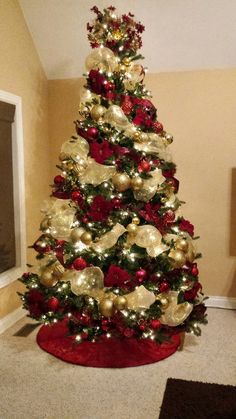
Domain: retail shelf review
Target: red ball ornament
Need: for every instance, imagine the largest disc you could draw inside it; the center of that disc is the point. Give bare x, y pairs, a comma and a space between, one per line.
128, 332
53, 304
164, 286
155, 324
76, 196
194, 270
59, 180
92, 133
141, 275
157, 127
79, 264
85, 219
144, 166
109, 86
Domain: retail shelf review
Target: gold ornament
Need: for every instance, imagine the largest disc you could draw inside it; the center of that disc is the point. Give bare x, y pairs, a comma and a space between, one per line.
47, 279
120, 302
121, 181
164, 302
106, 307
126, 61
137, 136
69, 166
86, 238
76, 233
136, 183
97, 111
178, 258
182, 244
132, 229
136, 220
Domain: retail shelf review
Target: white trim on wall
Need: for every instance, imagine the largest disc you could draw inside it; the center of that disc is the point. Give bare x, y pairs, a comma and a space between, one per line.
221, 302
18, 190
11, 319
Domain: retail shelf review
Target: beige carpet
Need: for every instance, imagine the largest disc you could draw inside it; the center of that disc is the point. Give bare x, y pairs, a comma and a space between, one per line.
35, 385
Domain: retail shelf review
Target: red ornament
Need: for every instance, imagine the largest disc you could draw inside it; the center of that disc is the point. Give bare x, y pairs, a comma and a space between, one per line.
194, 270
53, 304
76, 196
144, 166
92, 133
79, 264
108, 86
142, 325
105, 325
164, 286
155, 324
141, 275
128, 332
59, 180
157, 127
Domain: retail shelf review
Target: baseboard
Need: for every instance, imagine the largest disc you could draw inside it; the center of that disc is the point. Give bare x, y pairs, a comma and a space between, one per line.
221, 302
11, 319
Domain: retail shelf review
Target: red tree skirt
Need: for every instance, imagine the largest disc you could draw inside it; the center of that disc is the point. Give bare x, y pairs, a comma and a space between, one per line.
107, 353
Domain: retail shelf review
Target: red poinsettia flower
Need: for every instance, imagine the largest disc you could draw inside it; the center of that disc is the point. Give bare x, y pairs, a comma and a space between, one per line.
101, 151
96, 81
149, 213
185, 225
191, 294
35, 302
100, 208
116, 277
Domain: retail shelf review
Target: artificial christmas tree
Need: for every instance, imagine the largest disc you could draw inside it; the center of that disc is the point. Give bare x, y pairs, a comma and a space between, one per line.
117, 264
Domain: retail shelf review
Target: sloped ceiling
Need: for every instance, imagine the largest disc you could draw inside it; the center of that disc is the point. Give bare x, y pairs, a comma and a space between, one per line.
180, 34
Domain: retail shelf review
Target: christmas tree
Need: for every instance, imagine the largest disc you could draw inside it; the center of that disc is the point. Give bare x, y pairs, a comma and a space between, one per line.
116, 258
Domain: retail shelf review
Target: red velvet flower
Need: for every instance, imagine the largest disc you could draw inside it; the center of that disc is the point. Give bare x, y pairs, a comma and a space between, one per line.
126, 104
35, 300
191, 294
101, 151
116, 277
100, 208
96, 81
185, 225
149, 213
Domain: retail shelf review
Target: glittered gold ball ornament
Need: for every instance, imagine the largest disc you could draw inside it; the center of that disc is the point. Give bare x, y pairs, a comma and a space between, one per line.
75, 234
121, 181
86, 237
182, 245
106, 307
117, 35
132, 228
178, 258
136, 183
126, 61
137, 136
97, 112
120, 302
48, 279
136, 220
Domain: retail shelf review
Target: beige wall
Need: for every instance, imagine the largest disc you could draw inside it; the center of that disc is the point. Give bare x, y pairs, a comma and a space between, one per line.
198, 108
21, 74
